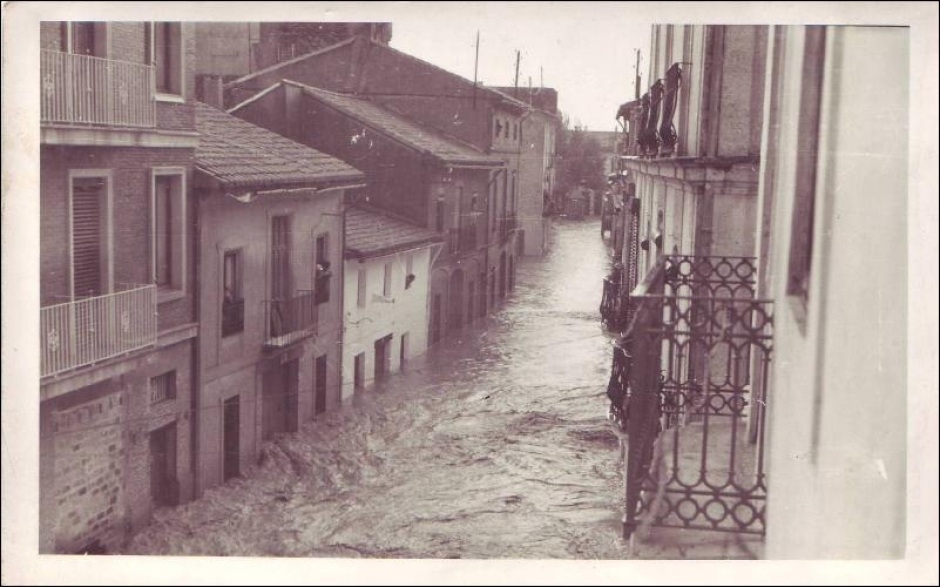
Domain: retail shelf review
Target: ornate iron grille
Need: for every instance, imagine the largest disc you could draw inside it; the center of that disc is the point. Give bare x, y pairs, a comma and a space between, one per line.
696, 353
616, 306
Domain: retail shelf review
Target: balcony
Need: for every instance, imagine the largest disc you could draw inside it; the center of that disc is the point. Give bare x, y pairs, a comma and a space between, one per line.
290, 320
90, 330
86, 90
611, 302
688, 387
462, 239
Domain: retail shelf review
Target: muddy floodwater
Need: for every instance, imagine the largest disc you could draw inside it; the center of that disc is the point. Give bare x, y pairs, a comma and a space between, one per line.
495, 444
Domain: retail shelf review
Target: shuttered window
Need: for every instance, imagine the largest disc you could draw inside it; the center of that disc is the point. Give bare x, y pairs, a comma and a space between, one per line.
361, 300
87, 235
409, 270
168, 236
164, 43
387, 280
280, 257
163, 210
323, 273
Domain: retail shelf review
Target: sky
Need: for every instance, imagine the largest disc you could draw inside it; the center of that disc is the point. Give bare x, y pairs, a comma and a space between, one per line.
585, 51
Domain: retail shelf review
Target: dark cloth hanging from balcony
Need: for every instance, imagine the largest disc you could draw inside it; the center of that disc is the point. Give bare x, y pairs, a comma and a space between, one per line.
652, 134
667, 131
642, 135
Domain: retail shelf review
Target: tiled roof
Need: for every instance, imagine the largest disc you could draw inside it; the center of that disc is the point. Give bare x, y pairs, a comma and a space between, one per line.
371, 234
447, 149
240, 154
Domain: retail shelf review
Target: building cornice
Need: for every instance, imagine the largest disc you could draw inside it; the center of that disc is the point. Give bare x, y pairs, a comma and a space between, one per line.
117, 137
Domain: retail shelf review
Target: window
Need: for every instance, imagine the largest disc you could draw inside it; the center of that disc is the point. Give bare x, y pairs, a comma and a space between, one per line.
497, 128
801, 235
163, 387
439, 216
359, 371
168, 234
91, 232
361, 300
164, 48
387, 280
409, 270
233, 305
323, 274
280, 258
403, 351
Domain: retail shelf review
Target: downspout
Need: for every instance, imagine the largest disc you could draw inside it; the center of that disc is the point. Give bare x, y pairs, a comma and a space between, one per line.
195, 391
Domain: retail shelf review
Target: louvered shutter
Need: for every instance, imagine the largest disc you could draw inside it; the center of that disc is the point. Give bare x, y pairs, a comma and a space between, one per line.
87, 194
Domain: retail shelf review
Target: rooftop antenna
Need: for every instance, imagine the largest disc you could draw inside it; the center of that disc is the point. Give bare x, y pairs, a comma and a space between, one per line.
476, 62
636, 81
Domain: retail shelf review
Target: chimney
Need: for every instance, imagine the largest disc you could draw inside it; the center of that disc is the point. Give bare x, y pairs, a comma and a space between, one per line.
209, 90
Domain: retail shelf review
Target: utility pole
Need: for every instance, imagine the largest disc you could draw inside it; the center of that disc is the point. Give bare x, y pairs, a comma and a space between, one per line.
636, 81
476, 63
515, 87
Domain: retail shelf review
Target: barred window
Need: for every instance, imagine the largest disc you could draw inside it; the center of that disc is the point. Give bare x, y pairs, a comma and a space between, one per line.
163, 387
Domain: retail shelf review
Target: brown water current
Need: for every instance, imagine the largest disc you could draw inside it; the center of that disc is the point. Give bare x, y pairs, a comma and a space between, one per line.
494, 445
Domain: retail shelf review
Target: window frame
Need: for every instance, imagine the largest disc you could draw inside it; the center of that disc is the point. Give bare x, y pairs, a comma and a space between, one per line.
323, 281
806, 173
387, 279
362, 288
107, 261
172, 388
409, 269
177, 59
238, 254
179, 242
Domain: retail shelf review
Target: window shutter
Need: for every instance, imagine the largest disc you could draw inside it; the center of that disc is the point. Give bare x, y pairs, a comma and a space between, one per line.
86, 235
362, 288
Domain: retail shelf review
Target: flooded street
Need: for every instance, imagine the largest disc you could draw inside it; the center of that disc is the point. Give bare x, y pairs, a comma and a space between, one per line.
495, 444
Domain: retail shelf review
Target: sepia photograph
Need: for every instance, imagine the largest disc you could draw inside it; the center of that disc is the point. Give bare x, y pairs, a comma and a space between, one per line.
519, 283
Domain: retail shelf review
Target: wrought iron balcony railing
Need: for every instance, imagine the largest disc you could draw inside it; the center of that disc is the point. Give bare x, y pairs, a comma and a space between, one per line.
688, 386
289, 320
86, 90
90, 330
610, 304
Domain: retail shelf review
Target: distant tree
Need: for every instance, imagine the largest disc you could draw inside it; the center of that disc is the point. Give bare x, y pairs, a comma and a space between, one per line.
579, 158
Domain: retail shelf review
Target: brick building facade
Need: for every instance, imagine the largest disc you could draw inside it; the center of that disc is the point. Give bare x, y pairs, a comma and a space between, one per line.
118, 316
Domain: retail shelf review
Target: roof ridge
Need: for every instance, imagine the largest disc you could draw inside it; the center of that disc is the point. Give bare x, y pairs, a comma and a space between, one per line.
297, 59
370, 209
432, 65
432, 131
239, 153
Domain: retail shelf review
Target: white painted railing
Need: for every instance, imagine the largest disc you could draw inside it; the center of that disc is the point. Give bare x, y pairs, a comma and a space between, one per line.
93, 329
82, 89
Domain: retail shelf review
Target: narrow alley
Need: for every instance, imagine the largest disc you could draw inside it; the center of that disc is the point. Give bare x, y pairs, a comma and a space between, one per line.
496, 444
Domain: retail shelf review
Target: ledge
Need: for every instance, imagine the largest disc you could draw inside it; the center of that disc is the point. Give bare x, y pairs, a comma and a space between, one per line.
84, 136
